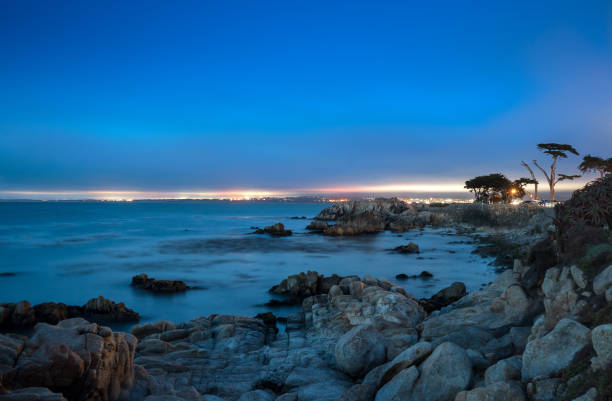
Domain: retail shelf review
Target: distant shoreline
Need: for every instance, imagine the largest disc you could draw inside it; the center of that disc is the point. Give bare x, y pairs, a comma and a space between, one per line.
322, 198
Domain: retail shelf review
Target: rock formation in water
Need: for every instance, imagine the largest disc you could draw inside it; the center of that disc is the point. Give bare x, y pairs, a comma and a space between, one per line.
275, 230
373, 216
408, 249
22, 315
160, 286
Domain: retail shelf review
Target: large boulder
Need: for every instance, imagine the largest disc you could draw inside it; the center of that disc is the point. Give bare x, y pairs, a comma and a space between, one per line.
560, 297
553, 352
500, 305
444, 297
146, 329
603, 281
359, 350
444, 373
499, 391
399, 387
366, 390
82, 360
10, 348
407, 358
505, 370
601, 337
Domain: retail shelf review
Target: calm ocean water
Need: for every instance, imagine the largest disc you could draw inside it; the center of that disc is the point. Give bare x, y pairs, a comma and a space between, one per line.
72, 251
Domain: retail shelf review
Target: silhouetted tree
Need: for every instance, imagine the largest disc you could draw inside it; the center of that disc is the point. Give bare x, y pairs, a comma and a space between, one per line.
556, 150
517, 190
535, 182
593, 163
488, 188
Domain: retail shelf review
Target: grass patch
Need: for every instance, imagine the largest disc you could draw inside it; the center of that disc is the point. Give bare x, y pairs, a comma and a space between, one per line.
579, 377
597, 312
596, 258
501, 249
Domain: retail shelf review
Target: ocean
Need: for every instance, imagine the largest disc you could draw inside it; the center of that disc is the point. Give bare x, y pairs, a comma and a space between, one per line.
73, 251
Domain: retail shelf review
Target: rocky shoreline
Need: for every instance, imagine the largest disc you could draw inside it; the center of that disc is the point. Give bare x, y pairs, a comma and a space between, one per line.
23, 316
541, 330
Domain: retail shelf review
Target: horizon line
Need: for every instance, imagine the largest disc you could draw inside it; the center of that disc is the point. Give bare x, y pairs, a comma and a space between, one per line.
246, 193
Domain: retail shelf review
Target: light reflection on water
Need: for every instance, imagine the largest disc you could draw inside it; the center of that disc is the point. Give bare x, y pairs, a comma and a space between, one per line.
72, 251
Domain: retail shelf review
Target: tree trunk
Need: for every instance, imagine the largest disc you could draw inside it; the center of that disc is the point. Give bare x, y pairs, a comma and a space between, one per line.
553, 178
550, 179
552, 192
533, 177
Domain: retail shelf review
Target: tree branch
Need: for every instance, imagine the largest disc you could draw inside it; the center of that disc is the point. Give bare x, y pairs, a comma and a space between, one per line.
543, 172
528, 168
566, 177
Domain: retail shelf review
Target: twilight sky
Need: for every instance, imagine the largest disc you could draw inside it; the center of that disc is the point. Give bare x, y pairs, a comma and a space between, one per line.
292, 95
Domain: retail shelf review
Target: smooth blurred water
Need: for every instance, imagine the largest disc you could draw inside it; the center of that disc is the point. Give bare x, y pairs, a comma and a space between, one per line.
72, 251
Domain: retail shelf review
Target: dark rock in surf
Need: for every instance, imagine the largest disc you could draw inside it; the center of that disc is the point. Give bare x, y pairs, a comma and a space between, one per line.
276, 230
100, 310
151, 284
368, 222
317, 225
269, 320
278, 303
407, 249
302, 285
444, 297
423, 275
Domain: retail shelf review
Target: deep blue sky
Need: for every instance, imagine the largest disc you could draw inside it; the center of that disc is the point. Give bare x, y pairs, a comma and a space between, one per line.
255, 94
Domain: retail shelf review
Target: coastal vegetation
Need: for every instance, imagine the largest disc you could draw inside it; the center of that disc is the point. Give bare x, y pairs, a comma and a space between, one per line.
596, 164
496, 188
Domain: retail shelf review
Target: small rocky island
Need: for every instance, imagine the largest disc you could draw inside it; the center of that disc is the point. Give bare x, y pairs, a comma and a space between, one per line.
158, 286
541, 331
275, 230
